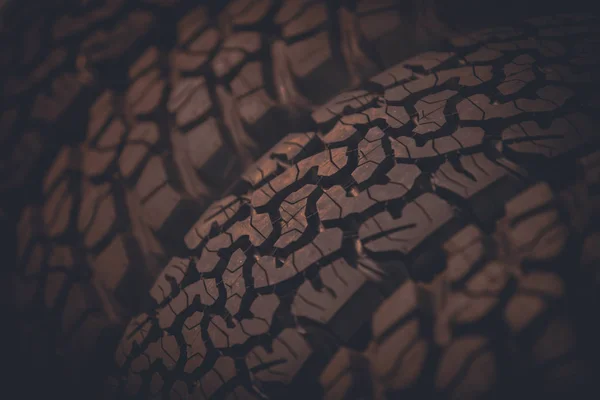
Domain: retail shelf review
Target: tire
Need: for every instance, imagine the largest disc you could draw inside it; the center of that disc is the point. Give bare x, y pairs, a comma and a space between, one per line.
56, 57
435, 237
170, 121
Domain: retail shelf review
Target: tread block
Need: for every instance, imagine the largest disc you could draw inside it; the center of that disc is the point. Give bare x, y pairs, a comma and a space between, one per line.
290, 352
344, 302
267, 273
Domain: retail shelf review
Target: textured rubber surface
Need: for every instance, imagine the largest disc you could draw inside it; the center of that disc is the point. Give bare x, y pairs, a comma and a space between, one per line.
175, 104
54, 63
433, 237
55, 58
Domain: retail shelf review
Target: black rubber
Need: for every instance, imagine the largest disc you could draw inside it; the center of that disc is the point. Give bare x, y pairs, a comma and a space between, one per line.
122, 121
126, 120
435, 237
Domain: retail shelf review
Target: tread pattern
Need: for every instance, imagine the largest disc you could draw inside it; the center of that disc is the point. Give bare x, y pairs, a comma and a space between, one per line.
33, 62
496, 322
56, 57
61, 293
169, 105
330, 247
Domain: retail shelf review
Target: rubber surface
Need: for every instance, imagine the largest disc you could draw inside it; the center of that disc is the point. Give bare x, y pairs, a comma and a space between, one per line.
435, 236
142, 114
55, 57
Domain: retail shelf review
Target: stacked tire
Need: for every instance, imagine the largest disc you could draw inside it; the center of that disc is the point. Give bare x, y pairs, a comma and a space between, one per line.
142, 114
430, 233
